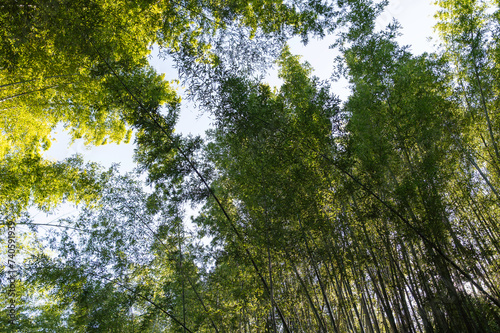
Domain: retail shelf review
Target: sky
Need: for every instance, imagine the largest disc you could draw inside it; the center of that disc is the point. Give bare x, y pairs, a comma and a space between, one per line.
416, 18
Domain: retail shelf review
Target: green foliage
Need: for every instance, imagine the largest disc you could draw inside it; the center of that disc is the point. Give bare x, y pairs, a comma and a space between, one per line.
265, 149
378, 215
32, 181
111, 264
68, 62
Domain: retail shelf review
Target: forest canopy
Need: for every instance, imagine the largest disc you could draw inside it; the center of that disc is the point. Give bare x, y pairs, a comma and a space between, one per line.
377, 213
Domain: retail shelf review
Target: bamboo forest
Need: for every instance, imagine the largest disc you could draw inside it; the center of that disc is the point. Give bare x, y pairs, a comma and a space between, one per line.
297, 210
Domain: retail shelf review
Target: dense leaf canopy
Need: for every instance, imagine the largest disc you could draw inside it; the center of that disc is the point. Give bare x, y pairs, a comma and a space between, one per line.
376, 214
